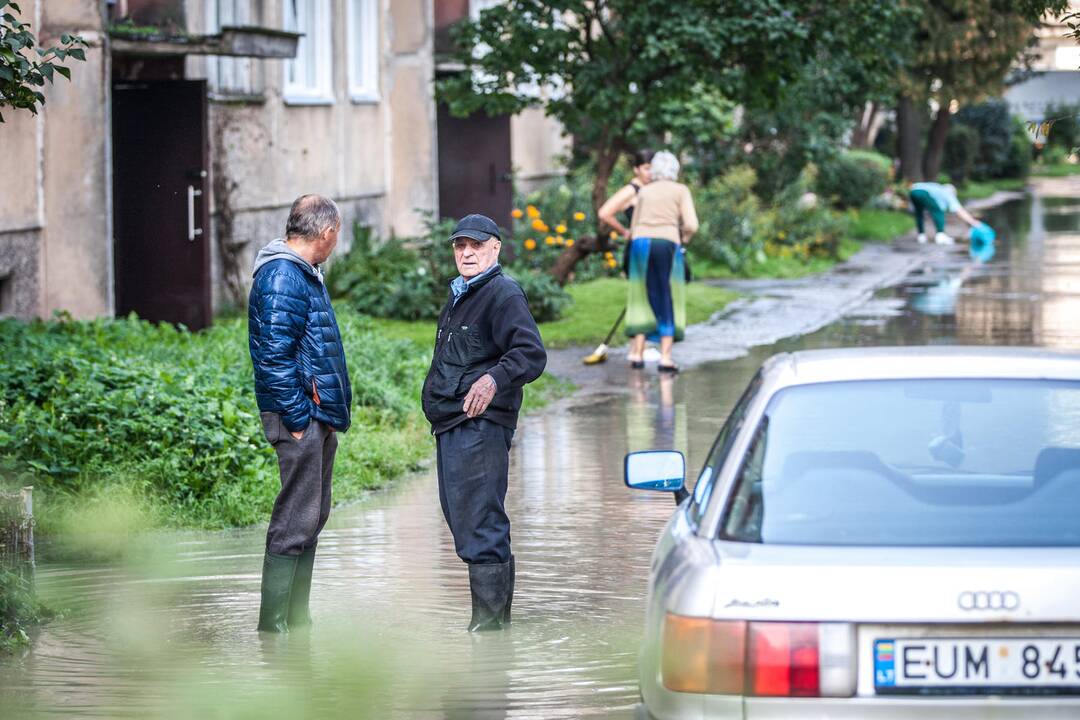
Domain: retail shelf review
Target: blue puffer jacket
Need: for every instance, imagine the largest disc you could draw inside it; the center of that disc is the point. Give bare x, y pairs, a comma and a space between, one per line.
295, 343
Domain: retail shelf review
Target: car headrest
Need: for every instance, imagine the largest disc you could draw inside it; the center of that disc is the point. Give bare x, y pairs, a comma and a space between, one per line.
1052, 461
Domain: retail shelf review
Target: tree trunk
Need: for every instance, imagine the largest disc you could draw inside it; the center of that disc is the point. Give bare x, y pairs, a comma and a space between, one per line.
935, 148
862, 138
909, 139
585, 246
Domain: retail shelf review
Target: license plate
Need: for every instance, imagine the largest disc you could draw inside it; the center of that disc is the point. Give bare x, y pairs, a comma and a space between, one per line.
980, 665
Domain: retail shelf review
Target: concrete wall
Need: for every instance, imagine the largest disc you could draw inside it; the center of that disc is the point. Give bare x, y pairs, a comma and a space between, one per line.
376, 158
55, 224
537, 146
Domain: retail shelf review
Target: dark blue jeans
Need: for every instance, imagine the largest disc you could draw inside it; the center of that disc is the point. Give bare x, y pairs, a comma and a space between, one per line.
473, 459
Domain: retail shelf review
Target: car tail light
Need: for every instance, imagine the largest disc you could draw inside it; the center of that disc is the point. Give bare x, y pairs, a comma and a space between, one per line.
734, 657
701, 655
783, 659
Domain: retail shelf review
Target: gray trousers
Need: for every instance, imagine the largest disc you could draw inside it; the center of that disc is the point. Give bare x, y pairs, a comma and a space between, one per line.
306, 467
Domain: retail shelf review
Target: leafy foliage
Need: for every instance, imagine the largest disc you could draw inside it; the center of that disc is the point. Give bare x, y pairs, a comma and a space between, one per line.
172, 413
20, 609
1062, 130
1004, 149
729, 214
621, 74
854, 178
24, 67
961, 149
547, 299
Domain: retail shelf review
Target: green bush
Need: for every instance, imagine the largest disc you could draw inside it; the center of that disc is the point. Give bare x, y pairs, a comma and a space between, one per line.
798, 226
1065, 132
547, 299
20, 609
854, 178
727, 210
961, 148
1019, 158
173, 414
1000, 153
407, 280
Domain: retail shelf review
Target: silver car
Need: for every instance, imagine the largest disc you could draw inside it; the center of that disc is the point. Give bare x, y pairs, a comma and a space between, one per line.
877, 533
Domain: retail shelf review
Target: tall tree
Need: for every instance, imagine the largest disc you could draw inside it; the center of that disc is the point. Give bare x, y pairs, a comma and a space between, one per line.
962, 51
622, 73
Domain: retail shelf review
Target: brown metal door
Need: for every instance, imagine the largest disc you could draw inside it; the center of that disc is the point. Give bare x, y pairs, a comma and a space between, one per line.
474, 166
160, 216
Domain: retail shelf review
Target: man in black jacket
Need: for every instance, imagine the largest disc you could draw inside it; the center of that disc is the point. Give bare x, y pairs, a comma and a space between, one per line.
487, 347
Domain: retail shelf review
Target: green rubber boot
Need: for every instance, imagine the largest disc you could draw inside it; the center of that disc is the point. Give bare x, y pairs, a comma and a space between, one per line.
277, 581
299, 614
490, 585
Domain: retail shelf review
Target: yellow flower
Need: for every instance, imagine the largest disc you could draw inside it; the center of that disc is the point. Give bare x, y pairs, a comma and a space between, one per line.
609, 255
532, 211
613, 234
612, 264
549, 240
539, 226
515, 213
579, 216
781, 234
569, 242
530, 244
560, 228
560, 240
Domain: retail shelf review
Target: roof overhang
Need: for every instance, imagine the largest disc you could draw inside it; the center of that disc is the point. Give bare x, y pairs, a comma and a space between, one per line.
254, 42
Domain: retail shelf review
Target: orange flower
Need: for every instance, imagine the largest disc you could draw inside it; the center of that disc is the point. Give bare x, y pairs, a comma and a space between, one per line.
579, 216
516, 214
549, 240
569, 242
613, 234
560, 240
530, 244
560, 228
539, 226
532, 211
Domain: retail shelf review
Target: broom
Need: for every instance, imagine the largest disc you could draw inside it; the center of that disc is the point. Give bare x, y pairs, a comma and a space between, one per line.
599, 355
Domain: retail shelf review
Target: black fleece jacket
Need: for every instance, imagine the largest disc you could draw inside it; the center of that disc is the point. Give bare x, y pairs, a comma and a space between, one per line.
488, 330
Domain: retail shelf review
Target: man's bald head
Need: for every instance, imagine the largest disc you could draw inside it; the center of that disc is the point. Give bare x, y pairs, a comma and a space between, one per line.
311, 216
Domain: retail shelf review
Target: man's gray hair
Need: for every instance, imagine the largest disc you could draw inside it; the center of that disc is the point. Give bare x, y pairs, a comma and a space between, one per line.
310, 215
664, 166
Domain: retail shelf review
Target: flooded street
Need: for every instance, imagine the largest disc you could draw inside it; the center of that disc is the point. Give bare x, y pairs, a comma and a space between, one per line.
168, 630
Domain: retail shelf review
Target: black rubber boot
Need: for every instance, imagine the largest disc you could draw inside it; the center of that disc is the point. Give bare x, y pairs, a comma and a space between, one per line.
509, 595
299, 614
490, 585
277, 580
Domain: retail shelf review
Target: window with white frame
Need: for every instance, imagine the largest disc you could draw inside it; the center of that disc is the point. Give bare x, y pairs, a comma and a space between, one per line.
363, 44
309, 77
230, 77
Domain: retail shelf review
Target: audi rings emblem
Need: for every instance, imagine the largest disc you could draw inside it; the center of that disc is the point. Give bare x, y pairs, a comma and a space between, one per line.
988, 600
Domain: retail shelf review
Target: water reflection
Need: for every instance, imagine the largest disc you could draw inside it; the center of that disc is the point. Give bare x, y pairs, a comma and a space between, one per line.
167, 630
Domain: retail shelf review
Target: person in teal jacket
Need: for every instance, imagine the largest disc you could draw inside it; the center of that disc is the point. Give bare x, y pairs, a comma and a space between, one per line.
937, 199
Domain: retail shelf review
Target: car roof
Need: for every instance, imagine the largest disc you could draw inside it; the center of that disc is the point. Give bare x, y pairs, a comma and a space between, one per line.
888, 363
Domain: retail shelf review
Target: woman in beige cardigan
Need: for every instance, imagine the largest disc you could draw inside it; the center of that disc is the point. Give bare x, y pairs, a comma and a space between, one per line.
664, 221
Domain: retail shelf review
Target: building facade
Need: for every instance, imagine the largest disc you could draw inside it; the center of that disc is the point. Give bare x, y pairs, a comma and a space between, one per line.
148, 182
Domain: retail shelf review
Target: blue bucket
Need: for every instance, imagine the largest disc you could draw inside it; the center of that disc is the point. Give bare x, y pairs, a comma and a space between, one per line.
982, 233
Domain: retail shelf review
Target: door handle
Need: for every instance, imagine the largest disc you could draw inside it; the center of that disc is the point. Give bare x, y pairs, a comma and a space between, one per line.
192, 231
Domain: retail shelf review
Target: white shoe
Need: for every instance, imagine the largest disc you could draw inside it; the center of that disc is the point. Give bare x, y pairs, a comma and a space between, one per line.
943, 239
921, 238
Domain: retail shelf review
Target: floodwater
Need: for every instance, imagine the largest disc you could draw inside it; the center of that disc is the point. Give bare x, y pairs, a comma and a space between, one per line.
165, 629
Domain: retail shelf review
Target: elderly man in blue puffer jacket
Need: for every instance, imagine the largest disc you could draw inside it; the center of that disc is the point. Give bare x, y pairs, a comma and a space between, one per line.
302, 387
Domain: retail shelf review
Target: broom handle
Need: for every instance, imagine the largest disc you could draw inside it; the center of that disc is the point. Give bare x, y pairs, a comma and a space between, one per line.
615, 327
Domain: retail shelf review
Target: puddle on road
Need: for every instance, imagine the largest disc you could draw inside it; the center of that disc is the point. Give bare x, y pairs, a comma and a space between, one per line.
169, 631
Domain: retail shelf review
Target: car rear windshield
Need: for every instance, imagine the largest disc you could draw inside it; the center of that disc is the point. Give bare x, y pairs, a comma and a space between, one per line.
913, 462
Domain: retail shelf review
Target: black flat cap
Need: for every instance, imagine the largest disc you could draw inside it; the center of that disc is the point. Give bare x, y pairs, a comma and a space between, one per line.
477, 227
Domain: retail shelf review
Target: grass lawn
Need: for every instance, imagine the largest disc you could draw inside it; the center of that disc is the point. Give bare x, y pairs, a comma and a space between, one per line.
973, 190
1056, 170
596, 305
776, 267
874, 225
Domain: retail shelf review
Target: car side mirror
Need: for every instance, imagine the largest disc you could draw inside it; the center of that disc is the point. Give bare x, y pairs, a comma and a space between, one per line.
655, 470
